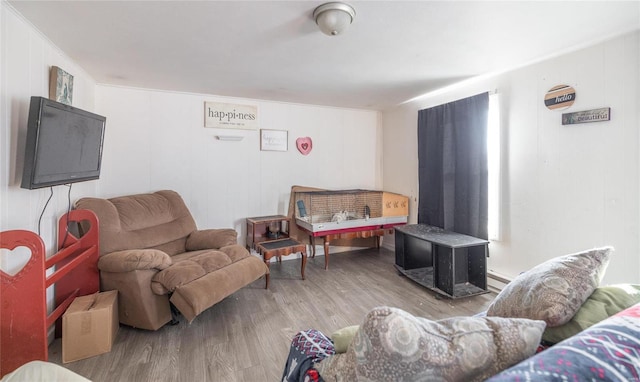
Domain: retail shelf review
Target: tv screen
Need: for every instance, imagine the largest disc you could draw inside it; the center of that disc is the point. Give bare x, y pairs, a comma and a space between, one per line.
64, 144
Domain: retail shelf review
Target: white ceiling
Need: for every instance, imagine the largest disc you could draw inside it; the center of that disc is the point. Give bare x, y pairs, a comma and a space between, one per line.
394, 50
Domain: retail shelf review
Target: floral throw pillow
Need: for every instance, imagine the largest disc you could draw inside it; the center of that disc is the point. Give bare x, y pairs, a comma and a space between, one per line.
554, 290
393, 345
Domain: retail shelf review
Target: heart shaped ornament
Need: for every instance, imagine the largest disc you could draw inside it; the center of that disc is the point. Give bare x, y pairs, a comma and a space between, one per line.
304, 145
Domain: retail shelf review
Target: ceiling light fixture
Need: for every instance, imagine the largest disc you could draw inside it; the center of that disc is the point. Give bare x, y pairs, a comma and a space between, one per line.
334, 18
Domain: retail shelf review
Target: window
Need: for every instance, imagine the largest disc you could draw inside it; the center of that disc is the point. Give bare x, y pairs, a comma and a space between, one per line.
453, 166
493, 165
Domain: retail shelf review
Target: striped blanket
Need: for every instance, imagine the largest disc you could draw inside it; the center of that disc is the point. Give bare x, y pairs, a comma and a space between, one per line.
607, 351
307, 347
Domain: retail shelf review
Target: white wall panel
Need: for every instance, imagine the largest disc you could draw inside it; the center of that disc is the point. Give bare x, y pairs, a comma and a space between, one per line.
156, 140
565, 188
25, 61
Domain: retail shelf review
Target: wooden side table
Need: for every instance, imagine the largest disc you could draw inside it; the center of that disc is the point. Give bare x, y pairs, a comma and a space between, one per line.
282, 247
258, 229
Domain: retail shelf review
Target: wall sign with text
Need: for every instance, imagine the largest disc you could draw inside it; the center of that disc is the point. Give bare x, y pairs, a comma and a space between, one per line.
560, 97
230, 116
594, 115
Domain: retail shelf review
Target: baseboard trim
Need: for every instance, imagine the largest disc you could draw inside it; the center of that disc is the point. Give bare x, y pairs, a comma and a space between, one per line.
496, 282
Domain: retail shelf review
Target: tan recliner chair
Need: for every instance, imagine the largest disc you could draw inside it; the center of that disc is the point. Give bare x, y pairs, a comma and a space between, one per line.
152, 253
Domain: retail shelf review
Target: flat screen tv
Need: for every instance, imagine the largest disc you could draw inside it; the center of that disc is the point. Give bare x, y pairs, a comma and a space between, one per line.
64, 144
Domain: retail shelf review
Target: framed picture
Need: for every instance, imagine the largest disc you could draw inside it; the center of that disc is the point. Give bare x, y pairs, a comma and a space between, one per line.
60, 86
274, 140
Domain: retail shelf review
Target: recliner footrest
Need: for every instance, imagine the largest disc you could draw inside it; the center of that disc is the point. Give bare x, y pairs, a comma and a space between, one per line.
193, 298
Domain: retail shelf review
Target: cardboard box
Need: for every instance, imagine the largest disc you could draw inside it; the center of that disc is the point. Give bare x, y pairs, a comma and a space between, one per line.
89, 326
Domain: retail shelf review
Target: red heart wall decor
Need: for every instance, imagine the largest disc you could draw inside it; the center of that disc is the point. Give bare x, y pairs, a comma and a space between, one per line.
304, 145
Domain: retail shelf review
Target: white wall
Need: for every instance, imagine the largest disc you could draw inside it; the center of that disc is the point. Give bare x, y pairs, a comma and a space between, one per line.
25, 59
565, 188
157, 140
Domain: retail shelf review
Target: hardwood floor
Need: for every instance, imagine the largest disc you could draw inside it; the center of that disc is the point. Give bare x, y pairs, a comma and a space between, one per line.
246, 337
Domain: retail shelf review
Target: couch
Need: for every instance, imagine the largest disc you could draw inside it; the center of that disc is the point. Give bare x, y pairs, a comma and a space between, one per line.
152, 253
595, 331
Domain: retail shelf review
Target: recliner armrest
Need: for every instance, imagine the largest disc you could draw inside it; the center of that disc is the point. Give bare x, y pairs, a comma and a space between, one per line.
211, 239
134, 259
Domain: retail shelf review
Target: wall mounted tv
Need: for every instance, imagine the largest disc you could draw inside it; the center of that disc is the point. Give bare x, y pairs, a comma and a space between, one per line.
64, 144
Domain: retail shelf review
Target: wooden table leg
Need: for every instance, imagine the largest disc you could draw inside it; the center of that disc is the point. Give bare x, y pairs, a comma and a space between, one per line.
312, 241
266, 262
304, 262
326, 253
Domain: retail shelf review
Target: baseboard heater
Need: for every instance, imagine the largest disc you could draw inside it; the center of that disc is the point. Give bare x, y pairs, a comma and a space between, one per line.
496, 282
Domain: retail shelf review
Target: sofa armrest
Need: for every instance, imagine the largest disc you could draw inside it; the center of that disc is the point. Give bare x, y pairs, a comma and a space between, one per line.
134, 259
211, 239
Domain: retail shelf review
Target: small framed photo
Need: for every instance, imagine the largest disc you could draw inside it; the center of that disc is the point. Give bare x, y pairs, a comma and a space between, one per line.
60, 86
274, 140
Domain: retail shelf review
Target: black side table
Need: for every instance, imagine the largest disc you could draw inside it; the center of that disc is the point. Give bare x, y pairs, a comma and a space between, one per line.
449, 263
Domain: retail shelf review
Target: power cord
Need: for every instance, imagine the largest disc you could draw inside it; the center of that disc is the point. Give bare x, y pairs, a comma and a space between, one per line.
66, 226
44, 209
46, 204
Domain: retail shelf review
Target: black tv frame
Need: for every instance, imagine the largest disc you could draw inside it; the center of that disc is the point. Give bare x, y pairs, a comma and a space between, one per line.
30, 178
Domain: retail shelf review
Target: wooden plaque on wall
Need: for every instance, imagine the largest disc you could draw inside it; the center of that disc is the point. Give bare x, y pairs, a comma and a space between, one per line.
60, 86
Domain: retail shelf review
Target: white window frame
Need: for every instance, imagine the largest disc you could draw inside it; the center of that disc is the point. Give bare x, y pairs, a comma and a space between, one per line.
494, 168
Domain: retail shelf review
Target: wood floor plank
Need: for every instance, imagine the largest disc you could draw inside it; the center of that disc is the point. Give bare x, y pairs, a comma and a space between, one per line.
220, 363
246, 336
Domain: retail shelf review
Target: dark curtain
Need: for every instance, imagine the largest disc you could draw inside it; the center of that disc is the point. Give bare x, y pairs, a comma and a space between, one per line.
452, 156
